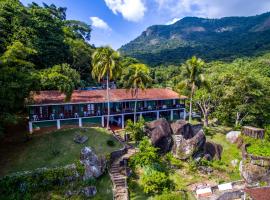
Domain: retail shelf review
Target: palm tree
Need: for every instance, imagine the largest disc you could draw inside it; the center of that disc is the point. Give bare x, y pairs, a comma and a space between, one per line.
137, 77
105, 62
193, 78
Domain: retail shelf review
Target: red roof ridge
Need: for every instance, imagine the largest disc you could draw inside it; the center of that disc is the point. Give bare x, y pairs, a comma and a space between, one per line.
99, 96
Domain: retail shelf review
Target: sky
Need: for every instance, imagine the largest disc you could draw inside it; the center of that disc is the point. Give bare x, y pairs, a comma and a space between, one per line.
116, 22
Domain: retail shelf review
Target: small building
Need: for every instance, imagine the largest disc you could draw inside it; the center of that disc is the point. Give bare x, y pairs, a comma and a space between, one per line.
250, 131
86, 107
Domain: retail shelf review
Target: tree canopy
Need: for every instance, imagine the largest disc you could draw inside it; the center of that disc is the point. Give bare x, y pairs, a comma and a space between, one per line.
40, 49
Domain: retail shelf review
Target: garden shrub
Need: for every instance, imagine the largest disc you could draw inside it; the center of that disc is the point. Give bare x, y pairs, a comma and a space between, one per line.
172, 161
136, 130
110, 143
155, 182
147, 154
192, 165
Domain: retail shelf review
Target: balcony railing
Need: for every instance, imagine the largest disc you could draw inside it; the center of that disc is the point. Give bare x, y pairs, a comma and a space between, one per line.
97, 113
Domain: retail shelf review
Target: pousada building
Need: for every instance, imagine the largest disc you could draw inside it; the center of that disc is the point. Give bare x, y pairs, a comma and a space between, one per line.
88, 107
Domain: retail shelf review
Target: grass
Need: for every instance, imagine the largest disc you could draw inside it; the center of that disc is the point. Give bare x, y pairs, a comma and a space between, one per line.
230, 152
56, 149
258, 147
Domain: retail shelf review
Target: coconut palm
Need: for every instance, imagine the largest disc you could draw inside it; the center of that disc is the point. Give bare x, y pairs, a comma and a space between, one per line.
137, 78
193, 78
105, 62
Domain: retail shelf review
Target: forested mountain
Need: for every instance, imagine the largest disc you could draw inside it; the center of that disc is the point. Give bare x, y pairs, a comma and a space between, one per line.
211, 39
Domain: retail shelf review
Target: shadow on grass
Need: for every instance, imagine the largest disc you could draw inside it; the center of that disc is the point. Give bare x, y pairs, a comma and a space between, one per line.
57, 149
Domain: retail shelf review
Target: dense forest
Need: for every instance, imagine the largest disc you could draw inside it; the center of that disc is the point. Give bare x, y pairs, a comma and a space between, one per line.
39, 49
211, 39
235, 93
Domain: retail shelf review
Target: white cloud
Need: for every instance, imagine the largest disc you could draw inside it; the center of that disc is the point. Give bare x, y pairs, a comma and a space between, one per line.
172, 21
99, 23
131, 10
212, 8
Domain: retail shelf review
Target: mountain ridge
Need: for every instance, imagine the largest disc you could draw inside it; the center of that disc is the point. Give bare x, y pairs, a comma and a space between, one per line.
212, 39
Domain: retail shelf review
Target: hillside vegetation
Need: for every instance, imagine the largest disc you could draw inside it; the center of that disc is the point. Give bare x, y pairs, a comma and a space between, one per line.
211, 39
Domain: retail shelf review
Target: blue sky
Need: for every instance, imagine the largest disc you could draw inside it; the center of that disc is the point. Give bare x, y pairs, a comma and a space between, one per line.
116, 22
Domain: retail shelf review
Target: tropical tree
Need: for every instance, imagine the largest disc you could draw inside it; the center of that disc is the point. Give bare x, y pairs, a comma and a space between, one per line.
193, 78
206, 100
61, 77
105, 62
137, 77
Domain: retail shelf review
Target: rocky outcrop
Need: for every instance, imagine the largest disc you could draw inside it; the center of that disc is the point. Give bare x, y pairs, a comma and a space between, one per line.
160, 134
181, 127
94, 165
185, 148
212, 151
254, 173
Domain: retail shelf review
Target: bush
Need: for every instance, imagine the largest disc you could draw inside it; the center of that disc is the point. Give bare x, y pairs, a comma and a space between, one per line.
192, 165
155, 182
110, 143
147, 154
136, 130
172, 161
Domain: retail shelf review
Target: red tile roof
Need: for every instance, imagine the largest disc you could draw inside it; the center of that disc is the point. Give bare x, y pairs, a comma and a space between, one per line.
259, 193
99, 96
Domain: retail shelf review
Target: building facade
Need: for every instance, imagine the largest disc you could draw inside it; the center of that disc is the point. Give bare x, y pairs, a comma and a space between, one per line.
48, 108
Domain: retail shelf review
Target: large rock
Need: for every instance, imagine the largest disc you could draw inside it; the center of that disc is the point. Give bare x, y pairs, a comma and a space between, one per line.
185, 148
213, 149
181, 127
94, 165
160, 134
80, 139
232, 136
254, 173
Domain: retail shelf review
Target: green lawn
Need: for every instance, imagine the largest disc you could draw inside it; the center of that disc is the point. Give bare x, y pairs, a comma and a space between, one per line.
230, 151
56, 149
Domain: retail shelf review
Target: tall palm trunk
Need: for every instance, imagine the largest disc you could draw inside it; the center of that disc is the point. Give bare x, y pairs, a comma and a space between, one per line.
135, 106
108, 101
190, 103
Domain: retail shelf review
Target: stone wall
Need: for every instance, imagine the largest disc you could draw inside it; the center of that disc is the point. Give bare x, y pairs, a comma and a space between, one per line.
253, 132
254, 169
258, 160
26, 182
